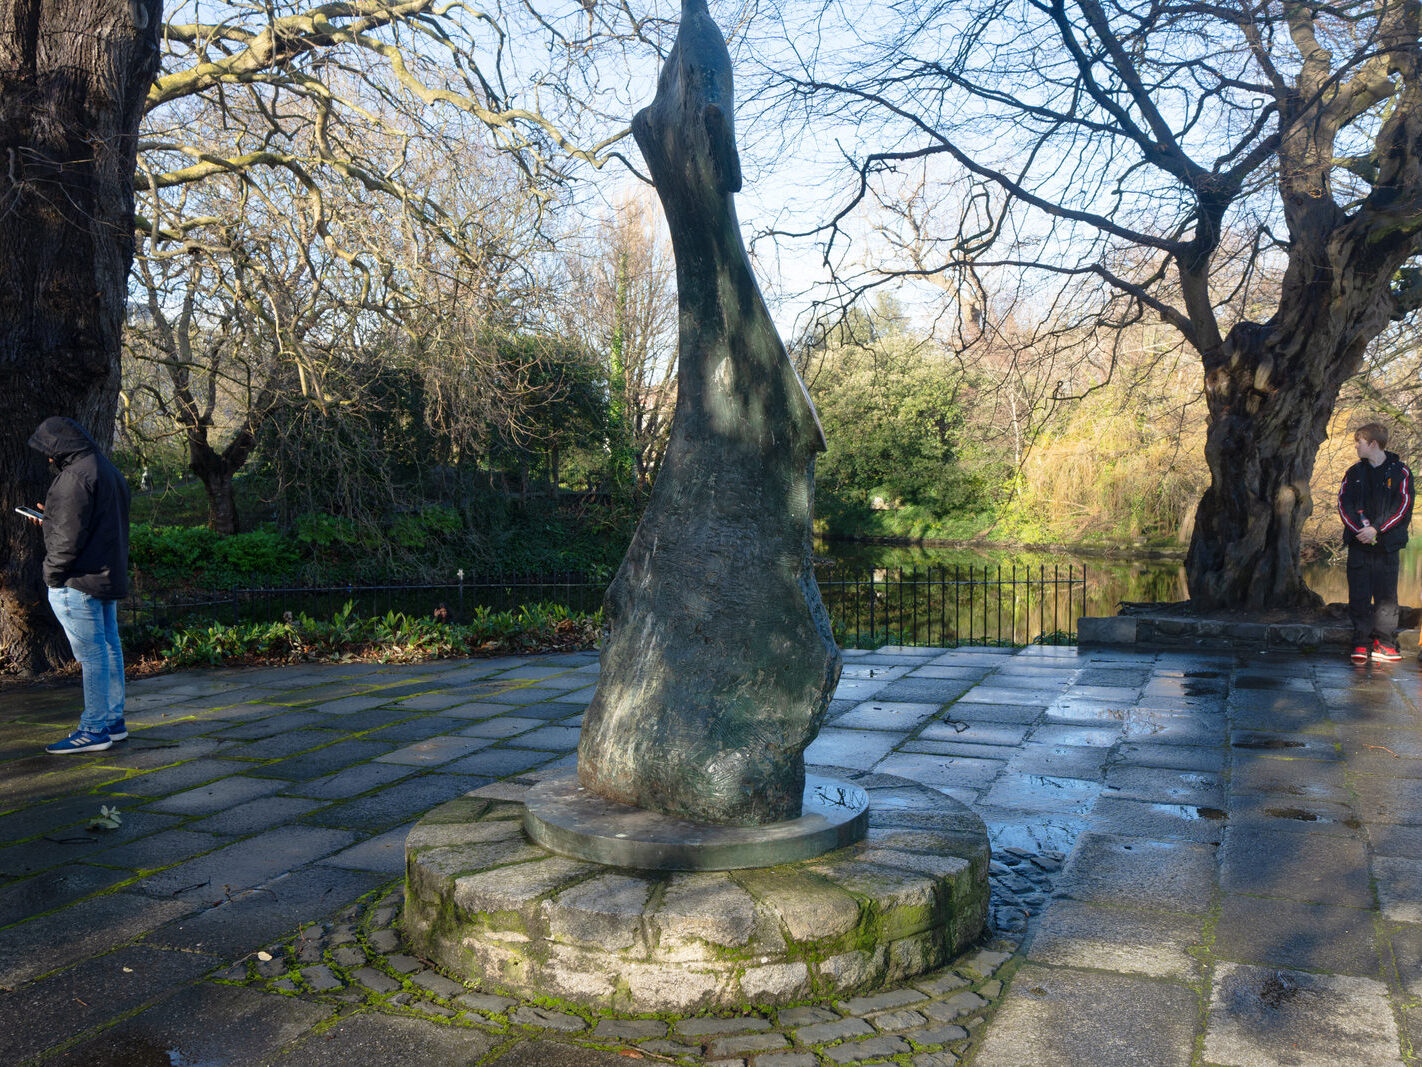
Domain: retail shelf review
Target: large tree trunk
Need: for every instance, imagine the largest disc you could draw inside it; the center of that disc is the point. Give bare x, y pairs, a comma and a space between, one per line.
1260, 446
1271, 389
73, 77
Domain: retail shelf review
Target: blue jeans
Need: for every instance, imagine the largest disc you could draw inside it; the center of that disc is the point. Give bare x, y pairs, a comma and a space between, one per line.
91, 625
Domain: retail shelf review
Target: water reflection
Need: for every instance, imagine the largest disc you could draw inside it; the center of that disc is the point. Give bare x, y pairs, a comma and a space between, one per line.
1109, 580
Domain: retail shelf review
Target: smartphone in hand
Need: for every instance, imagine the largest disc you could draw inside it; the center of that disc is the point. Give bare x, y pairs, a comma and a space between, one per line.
31, 513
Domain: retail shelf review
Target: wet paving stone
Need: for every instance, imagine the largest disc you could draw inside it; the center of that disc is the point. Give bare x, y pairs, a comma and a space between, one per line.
1267, 1015
1062, 761
1389, 840
1388, 799
498, 762
172, 779
54, 1010
396, 803
216, 796
1127, 872
52, 889
1282, 776
322, 761
857, 749
1209, 760
1285, 933
1040, 792
883, 714
1054, 1016
1165, 785
1313, 868
349, 782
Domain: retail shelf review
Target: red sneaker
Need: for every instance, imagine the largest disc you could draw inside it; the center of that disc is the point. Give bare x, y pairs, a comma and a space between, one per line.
1360, 654
1385, 653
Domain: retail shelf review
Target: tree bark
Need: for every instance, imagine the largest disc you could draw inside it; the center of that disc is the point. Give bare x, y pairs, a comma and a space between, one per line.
1260, 445
73, 77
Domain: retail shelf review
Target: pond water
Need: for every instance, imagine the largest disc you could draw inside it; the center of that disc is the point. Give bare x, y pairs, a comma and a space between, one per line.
1098, 584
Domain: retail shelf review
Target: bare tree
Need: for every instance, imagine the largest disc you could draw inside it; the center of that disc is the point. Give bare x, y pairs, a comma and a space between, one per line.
1250, 174
75, 80
623, 307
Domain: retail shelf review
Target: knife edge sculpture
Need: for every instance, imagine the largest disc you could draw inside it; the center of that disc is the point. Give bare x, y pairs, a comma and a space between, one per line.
718, 660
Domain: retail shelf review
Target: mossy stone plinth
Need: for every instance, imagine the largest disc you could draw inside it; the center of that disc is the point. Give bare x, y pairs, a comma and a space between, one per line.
488, 905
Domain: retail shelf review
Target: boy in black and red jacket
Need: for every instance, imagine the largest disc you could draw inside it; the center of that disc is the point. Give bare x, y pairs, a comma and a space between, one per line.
1375, 503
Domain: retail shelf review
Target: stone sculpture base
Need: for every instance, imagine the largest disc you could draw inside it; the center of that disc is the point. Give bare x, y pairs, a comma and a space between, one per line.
565, 818
487, 904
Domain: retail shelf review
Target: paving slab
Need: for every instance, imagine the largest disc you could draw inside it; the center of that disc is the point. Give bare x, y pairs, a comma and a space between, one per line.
1399, 888
202, 1024
395, 804
372, 1038
1153, 944
55, 888
248, 919
1166, 875
1056, 1016
1285, 933
61, 1007
352, 781
1262, 1016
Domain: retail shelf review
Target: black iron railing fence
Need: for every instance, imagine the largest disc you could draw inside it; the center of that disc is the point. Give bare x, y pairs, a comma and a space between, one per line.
932, 606
949, 606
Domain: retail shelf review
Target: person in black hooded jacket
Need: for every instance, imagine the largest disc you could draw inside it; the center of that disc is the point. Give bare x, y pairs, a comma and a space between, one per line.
86, 570
1375, 503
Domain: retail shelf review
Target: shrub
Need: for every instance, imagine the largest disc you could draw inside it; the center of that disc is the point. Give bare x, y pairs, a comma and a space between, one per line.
392, 638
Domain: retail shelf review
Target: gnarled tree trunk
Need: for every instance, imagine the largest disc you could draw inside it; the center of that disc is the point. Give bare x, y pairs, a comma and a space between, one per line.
1271, 386
73, 77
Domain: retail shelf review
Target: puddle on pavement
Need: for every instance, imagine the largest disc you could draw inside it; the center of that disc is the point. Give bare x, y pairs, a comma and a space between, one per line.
1077, 736
1034, 792
1083, 711
1277, 989
1191, 812
1202, 689
1145, 723
1304, 815
1038, 835
1245, 681
1268, 743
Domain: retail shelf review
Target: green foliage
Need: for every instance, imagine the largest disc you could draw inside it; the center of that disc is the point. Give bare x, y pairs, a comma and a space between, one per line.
902, 457
319, 530
198, 557
391, 638
431, 525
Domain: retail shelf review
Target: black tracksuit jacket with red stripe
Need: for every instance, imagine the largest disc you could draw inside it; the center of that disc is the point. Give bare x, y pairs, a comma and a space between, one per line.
1380, 496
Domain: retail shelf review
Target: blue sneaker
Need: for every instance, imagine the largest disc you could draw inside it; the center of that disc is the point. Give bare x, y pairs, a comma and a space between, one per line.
80, 741
118, 731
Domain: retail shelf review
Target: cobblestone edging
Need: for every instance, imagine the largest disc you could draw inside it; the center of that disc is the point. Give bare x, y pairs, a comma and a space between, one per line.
928, 1022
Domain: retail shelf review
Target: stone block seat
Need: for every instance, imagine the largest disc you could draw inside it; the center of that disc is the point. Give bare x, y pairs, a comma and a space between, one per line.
487, 904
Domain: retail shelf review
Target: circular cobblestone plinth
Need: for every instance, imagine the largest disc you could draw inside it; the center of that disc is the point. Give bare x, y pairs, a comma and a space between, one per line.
487, 904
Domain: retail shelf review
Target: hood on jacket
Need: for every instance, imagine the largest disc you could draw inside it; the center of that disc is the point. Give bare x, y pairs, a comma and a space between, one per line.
61, 439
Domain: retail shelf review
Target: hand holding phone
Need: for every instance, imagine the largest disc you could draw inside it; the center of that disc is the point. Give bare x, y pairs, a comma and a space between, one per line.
31, 513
